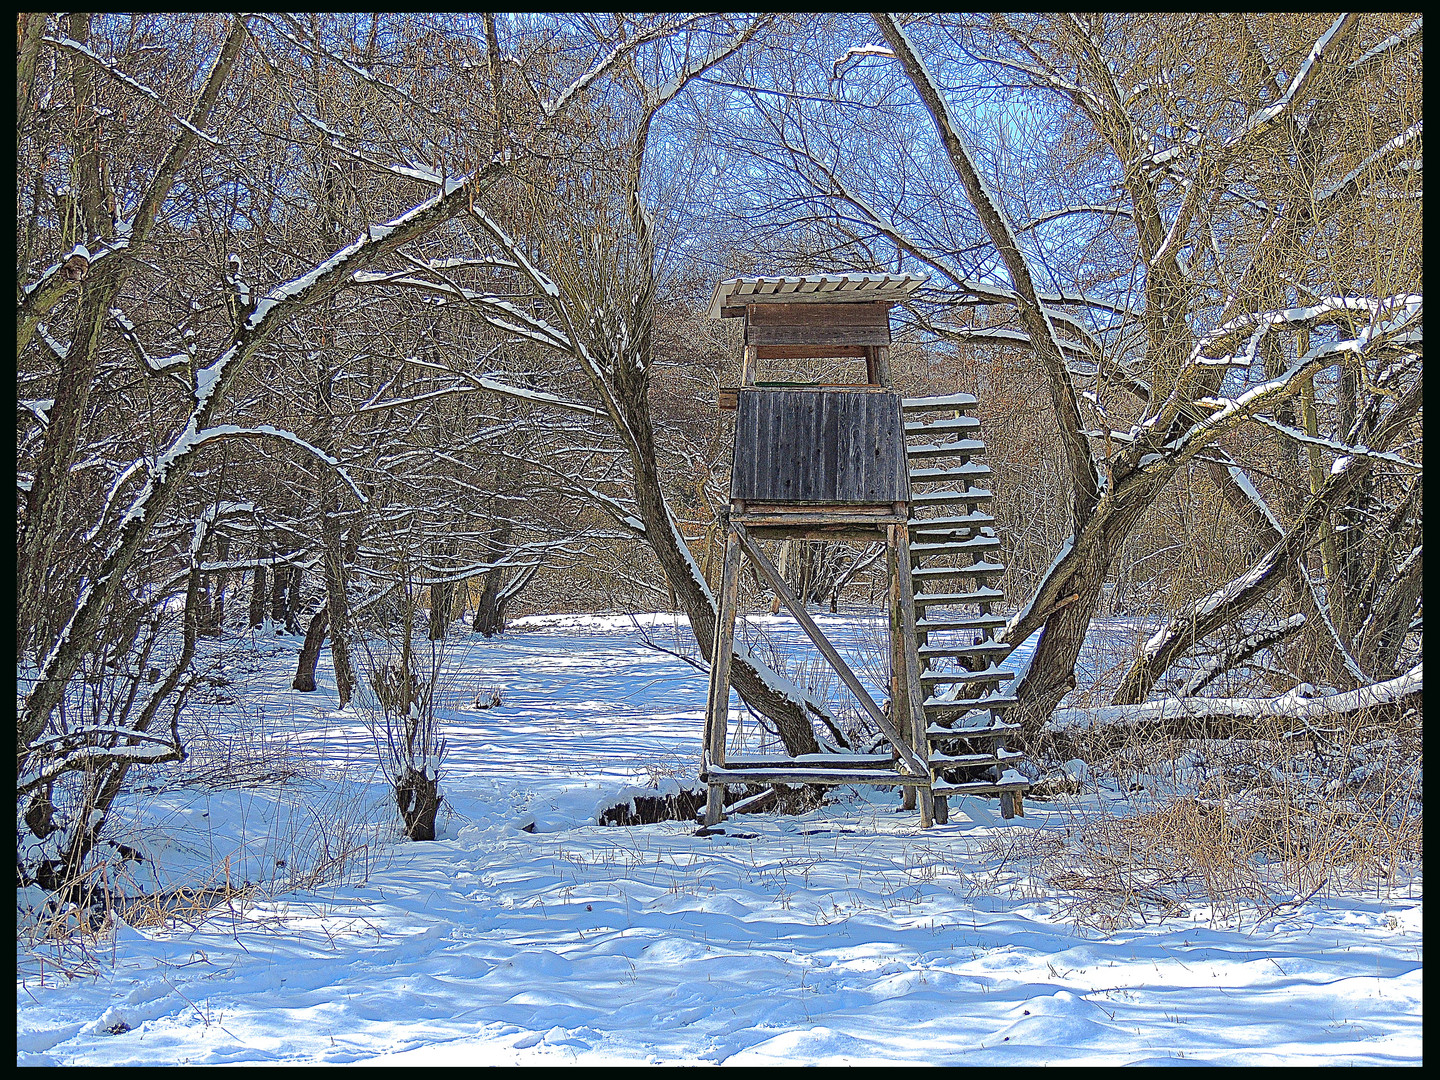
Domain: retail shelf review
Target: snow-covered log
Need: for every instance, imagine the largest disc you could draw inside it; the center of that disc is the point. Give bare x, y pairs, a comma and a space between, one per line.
1225, 718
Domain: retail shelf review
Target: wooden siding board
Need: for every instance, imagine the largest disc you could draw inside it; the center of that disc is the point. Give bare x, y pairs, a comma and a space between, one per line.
818, 335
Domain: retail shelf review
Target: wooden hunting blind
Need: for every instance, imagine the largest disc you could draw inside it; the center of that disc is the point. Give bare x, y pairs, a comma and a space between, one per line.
835, 461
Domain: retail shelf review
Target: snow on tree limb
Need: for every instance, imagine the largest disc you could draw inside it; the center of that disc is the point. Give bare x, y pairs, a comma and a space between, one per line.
1300, 86
1338, 446
1224, 605
856, 51
1084, 475
1242, 650
1391, 42
119, 76
1228, 413
1351, 179
610, 60
217, 432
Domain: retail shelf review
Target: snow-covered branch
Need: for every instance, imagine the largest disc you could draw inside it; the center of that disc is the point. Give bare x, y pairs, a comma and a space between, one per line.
1238, 652
1299, 89
1337, 446
611, 59
148, 363
1244, 714
1351, 180
119, 76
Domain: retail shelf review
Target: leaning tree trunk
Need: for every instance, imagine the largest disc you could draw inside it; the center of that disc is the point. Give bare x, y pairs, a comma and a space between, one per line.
786, 712
489, 612
310, 650
489, 615
1066, 602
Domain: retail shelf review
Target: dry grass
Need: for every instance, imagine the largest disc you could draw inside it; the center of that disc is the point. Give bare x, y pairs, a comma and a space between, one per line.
1232, 829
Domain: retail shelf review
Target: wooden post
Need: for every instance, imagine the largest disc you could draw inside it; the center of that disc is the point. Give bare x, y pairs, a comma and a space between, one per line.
878, 363
749, 365
911, 650
717, 705
900, 698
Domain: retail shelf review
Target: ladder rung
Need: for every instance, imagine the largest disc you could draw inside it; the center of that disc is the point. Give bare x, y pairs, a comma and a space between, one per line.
982, 787
958, 622
954, 423
977, 520
954, 534
942, 401
964, 678
971, 447
983, 648
992, 701
952, 547
987, 674
925, 573
955, 761
938, 732
943, 498
716, 774
957, 472
978, 596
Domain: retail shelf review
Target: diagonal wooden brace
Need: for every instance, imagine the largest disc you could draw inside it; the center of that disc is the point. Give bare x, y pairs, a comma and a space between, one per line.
912, 763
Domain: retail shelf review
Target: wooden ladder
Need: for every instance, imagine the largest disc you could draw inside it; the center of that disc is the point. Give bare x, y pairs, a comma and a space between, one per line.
955, 561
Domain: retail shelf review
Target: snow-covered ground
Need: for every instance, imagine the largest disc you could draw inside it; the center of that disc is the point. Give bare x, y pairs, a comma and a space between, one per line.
846, 935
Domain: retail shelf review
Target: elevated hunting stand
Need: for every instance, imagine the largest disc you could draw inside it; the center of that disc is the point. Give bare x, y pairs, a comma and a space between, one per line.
835, 461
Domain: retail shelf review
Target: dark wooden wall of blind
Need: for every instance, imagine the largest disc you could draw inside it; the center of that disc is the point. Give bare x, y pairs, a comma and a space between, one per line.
818, 324
819, 446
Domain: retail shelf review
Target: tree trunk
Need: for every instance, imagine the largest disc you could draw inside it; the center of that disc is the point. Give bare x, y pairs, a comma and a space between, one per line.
489, 612
49, 487
442, 594
1051, 674
212, 610
257, 598
279, 584
1067, 600
1090, 734
293, 602
338, 609
418, 797
310, 651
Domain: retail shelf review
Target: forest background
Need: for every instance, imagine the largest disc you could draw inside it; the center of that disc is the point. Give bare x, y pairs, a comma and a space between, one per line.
359, 323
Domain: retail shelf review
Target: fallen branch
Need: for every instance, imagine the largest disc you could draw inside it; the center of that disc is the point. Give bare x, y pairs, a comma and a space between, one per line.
1217, 718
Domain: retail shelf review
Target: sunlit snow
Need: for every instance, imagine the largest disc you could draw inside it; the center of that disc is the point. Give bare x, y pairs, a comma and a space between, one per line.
844, 936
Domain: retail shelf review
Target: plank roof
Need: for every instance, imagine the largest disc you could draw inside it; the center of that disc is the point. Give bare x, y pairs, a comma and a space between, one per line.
813, 288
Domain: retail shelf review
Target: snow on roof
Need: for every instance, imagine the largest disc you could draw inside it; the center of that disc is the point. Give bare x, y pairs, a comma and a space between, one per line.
813, 288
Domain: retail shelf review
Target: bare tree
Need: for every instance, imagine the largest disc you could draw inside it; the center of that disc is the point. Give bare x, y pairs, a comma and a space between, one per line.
127, 258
